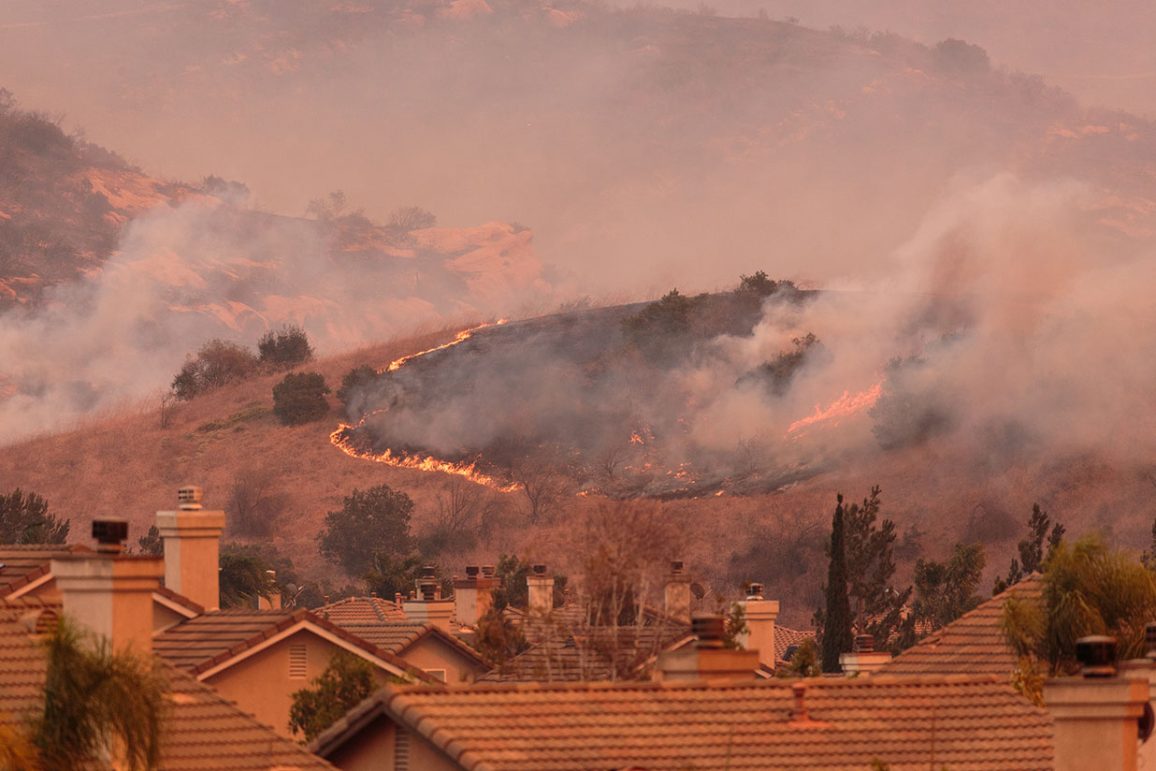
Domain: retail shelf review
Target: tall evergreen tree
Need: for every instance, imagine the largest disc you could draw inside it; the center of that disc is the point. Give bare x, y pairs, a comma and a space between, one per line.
837, 636
1031, 551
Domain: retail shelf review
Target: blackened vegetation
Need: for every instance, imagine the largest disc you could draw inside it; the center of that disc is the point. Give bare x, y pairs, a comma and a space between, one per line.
911, 410
582, 400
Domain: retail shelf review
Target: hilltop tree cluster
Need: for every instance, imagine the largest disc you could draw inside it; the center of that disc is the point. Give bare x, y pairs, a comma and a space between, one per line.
220, 362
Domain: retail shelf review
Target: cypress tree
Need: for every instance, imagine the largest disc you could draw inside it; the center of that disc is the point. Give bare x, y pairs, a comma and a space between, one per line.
837, 636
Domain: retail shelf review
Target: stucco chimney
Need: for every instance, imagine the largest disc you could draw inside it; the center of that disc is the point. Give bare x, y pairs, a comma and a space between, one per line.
707, 657
473, 596
541, 591
678, 594
192, 538
427, 606
863, 659
760, 614
109, 593
1097, 713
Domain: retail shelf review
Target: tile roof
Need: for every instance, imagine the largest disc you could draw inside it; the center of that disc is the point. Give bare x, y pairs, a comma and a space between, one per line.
965, 723
580, 653
973, 643
398, 636
21, 565
361, 610
785, 637
203, 731
194, 608
215, 638
588, 653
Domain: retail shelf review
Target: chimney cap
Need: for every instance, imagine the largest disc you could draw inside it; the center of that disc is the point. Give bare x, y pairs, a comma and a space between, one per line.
428, 571
676, 567
1097, 654
110, 533
488, 571
472, 571
1150, 639
755, 591
863, 643
189, 498
539, 568
709, 629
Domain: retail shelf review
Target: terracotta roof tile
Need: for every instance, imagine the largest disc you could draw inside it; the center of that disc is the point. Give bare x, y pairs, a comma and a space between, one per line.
785, 637
211, 639
361, 610
398, 636
963, 723
974, 643
21, 565
203, 731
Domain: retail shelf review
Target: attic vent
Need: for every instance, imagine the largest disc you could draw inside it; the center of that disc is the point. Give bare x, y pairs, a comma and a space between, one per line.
401, 750
297, 661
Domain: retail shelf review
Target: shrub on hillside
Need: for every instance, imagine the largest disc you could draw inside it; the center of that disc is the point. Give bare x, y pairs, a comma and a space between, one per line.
217, 363
300, 398
284, 348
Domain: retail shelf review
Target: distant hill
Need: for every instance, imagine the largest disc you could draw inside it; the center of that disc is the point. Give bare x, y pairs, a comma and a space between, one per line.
634, 142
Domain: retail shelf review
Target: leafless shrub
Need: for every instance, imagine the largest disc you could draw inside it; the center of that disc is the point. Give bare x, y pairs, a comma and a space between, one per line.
256, 503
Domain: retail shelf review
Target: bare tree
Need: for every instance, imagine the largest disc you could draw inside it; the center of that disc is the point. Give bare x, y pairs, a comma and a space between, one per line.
168, 407
255, 502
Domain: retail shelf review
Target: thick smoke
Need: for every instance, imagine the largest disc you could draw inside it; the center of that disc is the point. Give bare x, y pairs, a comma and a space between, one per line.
1006, 332
208, 269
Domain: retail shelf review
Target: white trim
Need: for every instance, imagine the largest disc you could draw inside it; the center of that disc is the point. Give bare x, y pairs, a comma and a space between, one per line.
310, 627
36, 584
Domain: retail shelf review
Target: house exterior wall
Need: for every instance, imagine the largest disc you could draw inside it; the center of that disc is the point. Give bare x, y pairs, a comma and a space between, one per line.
374, 748
261, 684
163, 618
430, 653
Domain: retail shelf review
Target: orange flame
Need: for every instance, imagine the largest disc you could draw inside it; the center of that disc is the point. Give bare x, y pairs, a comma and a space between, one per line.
846, 405
340, 438
459, 338
420, 462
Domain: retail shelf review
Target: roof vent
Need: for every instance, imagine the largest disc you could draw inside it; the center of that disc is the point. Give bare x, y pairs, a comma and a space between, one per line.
709, 630
189, 498
863, 643
110, 534
1097, 654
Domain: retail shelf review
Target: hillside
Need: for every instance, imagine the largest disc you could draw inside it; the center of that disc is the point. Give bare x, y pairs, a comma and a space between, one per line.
632, 141
128, 465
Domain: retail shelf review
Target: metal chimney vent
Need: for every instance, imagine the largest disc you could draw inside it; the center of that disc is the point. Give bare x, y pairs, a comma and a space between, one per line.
863, 643
189, 498
110, 534
709, 630
1097, 654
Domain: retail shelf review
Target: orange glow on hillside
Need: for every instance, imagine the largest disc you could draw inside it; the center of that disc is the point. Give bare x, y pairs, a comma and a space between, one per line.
846, 405
419, 462
340, 437
459, 338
